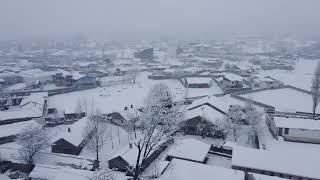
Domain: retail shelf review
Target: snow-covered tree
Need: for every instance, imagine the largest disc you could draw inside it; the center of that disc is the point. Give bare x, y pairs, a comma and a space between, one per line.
132, 124
160, 116
315, 90
105, 174
96, 128
233, 122
253, 118
33, 139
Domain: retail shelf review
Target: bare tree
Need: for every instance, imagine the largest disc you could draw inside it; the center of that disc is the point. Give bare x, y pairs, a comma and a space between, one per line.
96, 129
315, 90
233, 120
33, 139
160, 117
105, 174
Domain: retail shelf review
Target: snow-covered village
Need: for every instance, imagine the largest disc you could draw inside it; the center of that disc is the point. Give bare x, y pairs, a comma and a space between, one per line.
158, 106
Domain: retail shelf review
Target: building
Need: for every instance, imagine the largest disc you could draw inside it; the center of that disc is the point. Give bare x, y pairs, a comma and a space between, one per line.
199, 120
71, 140
198, 82
231, 80
295, 129
288, 164
189, 150
73, 79
30, 107
185, 170
145, 54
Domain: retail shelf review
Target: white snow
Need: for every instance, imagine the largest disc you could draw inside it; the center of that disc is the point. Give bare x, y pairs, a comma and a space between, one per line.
214, 101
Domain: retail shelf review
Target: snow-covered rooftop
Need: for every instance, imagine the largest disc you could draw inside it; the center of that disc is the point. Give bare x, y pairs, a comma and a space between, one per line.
15, 128
233, 77
297, 123
190, 149
50, 172
75, 136
214, 101
18, 86
198, 80
186, 170
205, 112
277, 161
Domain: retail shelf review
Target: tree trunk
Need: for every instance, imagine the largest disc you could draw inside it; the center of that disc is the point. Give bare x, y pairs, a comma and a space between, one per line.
137, 168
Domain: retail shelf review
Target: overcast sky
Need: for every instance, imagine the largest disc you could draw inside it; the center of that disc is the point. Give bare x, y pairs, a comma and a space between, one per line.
112, 19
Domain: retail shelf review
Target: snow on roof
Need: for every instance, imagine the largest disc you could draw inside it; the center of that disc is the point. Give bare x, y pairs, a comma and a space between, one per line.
198, 80
287, 162
17, 86
215, 101
76, 136
265, 177
233, 77
37, 97
205, 112
186, 170
189, 149
77, 75
35, 73
30, 107
297, 123
15, 128
51, 172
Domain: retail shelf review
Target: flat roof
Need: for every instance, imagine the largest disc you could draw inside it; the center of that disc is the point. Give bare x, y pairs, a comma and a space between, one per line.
190, 149
297, 123
187, 170
286, 162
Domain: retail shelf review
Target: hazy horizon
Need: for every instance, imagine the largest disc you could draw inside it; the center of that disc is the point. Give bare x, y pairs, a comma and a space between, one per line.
151, 19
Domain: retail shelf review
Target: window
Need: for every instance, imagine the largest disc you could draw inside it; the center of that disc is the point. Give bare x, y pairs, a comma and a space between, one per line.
286, 131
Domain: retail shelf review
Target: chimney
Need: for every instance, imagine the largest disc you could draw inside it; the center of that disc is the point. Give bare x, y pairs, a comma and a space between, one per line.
131, 105
69, 129
130, 145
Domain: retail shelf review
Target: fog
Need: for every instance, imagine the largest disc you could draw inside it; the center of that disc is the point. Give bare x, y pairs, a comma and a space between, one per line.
136, 19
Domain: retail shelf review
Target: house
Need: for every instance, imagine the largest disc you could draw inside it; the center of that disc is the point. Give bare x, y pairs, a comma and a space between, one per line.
198, 120
66, 78
189, 150
264, 82
198, 82
116, 118
126, 158
295, 129
231, 80
186, 170
32, 106
288, 164
72, 140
